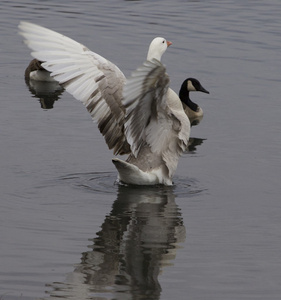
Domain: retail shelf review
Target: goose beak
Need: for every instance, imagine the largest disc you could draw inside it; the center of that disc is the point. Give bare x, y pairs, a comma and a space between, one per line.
169, 43
203, 90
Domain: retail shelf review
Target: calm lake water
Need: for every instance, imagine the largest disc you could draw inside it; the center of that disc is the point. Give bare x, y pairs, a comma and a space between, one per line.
68, 231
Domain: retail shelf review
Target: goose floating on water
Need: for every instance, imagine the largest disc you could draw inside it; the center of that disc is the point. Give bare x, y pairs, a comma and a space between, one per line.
35, 71
41, 84
140, 116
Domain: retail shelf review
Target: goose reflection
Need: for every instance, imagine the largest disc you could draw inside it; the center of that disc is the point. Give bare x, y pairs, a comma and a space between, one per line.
193, 143
137, 240
47, 91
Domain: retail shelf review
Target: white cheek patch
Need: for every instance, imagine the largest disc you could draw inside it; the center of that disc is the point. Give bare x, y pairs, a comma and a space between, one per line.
190, 86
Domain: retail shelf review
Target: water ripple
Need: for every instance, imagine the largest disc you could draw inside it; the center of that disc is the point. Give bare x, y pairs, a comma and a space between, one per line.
106, 183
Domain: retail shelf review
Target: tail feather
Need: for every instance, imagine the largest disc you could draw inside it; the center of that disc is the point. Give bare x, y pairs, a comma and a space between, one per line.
131, 174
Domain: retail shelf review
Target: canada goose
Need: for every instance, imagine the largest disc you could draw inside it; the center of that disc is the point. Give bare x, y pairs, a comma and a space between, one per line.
142, 117
193, 111
35, 71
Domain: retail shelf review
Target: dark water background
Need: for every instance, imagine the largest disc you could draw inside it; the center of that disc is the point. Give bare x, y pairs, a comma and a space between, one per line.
67, 231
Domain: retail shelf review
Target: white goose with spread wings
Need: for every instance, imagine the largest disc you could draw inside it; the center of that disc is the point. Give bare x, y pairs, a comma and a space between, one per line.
145, 120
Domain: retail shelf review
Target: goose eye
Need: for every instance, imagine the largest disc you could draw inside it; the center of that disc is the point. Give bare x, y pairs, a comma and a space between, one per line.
163, 42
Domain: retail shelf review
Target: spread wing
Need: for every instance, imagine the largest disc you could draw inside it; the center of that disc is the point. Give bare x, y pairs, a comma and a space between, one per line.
89, 77
154, 115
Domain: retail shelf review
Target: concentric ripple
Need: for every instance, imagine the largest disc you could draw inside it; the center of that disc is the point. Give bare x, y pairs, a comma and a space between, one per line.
107, 183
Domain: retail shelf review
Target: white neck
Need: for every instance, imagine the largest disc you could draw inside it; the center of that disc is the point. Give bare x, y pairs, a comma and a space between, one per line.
152, 54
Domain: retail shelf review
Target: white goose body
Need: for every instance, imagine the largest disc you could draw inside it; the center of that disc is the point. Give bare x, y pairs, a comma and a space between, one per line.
166, 139
142, 117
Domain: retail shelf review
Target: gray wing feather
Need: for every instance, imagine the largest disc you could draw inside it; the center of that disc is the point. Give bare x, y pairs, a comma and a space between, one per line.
89, 77
144, 98
155, 122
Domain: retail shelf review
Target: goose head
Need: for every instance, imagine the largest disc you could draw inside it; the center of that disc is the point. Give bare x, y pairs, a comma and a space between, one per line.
157, 48
191, 85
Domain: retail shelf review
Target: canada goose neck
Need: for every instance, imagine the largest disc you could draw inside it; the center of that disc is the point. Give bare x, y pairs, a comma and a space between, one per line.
184, 96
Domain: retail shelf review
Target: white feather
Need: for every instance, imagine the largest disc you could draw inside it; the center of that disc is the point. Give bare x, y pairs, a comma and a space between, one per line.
148, 122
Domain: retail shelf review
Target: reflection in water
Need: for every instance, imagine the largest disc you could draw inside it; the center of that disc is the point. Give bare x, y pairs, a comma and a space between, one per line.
47, 91
137, 239
192, 144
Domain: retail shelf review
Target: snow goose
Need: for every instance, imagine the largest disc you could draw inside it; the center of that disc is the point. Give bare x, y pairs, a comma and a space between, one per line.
148, 122
156, 127
193, 111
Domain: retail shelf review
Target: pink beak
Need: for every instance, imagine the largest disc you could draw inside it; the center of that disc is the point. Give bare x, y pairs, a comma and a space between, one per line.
169, 43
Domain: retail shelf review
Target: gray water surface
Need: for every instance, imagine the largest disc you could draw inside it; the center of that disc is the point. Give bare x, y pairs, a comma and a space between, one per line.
68, 231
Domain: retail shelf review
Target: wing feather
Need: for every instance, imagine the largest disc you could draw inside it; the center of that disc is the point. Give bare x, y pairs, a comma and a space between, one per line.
89, 77
154, 117
144, 94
